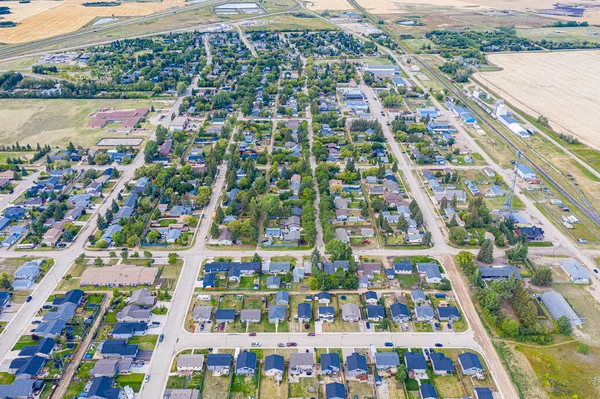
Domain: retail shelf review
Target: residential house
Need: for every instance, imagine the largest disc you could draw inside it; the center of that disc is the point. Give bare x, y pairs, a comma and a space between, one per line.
274, 365
441, 364
403, 267
415, 364
371, 298
111, 367
142, 297
350, 312
375, 312
250, 315
330, 363
126, 330
399, 312
118, 349
335, 390
357, 365
102, 388
282, 298
246, 363
273, 282
448, 313
134, 313
188, 363
483, 393
219, 363
386, 360
424, 313
430, 271
304, 312
326, 313
324, 298
428, 391
301, 362
470, 363
225, 315
276, 314
418, 297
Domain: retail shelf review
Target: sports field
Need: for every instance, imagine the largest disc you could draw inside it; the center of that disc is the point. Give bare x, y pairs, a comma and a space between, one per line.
56, 122
562, 86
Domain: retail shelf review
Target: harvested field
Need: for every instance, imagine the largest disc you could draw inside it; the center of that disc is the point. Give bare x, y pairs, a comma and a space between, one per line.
561, 86
42, 19
321, 5
55, 122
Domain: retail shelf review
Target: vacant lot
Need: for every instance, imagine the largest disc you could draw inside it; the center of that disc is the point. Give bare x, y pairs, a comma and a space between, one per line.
585, 305
561, 86
563, 371
55, 122
42, 19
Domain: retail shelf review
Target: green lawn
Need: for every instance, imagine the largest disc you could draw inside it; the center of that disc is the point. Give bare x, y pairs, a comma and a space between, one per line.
134, 380
83, 372
244, 386
145, 342
6, 378
74, 389
176, 382
303, 388
24, 340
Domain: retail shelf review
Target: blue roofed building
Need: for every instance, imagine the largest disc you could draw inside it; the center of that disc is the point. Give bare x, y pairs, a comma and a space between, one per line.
330, 363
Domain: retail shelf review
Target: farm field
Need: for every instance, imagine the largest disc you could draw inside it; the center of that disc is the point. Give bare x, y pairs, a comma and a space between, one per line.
321, 5
574, 34
291, 22
55, 122
537, 84
42, 19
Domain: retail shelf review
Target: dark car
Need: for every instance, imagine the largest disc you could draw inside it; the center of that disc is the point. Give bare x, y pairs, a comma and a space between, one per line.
29, 298
389, 344
291, 344
252, 334
311, 334
281, 345
368, 325
161, 337
438, 345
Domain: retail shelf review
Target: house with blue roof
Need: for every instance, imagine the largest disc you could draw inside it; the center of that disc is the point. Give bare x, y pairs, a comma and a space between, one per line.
357, 365
274, 365
43, 348
304, 312
483, 393
246, 363
448, 313
428, 391
335, 390
273, 282
118, 349
102, 388
330, 363
27, 367
209, 280
225, 315
415, 364
430, 271
326, 313
20, 388
403, 267
399, 312
276, 314
73, 296
375, 312
216, 267
49, 329
371, 297
126, 330
4, 300
14, 213
441, 364
219, 363
324, 298
470, 363
282, 298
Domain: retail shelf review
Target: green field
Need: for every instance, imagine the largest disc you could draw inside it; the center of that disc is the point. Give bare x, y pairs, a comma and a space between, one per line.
55, 122
574, 34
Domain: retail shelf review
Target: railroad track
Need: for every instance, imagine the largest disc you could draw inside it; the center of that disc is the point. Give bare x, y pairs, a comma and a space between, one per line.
589, 212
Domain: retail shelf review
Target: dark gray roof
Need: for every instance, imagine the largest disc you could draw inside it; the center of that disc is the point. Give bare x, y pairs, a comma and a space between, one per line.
118, 346
246, 359
441, 362
374, 311
387, 359
399, 309
225, 314
304, 310
469, 360
218, 359
415, 361
102, 387
499, 272
428, 391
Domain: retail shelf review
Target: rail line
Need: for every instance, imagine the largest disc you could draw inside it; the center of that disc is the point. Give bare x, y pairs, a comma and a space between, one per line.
589, 213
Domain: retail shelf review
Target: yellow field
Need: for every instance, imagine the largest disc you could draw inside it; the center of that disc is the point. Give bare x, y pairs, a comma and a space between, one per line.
562, 86
42, 19
322, 5
396, 6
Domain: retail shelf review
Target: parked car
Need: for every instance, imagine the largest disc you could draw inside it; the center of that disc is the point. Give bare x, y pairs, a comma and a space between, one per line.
291, 344
368, 325
252, 334
29, 298
255, 343
311, 334
438, 345
147, 378
161, 337
389, 344
281, 345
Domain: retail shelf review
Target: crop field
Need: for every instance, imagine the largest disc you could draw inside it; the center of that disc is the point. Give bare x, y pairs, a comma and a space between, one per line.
574, 34
55, 122
42, 19
561, 86
322, 5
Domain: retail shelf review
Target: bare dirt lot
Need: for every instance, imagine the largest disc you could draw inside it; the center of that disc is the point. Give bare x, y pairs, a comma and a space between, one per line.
561, 86
42, 19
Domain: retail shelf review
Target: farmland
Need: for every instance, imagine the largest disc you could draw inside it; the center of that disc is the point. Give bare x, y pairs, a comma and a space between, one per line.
42, 19
537, 84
